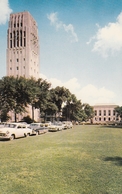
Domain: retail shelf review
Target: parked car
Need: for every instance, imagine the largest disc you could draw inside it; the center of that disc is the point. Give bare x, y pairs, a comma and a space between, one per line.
2, 124
56, 127
67, 124
40, 130
14, 130
34, 127
60, 126
53, 128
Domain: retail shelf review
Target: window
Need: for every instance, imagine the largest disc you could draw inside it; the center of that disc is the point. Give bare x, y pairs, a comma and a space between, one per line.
99, 112
24, 34
104, 112
10, 43
104, 119
14, 38
100, 119
17, 68
95, 112
17, 38
17, 60
109, 118
24, 42
114, 112
20, 37
109, 112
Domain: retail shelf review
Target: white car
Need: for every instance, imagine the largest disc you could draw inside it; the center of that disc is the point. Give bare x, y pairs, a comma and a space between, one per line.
2, 124
14, 130
55, 127
67, 124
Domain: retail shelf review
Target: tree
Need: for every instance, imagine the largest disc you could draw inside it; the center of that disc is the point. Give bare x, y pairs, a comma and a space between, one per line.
43, 94
118, 110
88, 112
71, 110
16, 94
58, 96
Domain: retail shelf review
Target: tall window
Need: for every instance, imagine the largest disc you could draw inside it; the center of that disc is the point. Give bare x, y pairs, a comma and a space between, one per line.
17, 38
99, 112
10, 43
14, 39
24, 38
104, 112
95, 112
20, 37
109, 112
114, 112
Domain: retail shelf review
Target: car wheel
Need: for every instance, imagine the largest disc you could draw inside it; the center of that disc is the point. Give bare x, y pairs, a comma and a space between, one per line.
12, 137
27, 135
37, 133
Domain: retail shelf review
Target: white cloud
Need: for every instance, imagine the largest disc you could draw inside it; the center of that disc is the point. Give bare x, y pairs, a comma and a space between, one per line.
91, 94
87, 94
53, 18
4, 11
109, 38
60, 25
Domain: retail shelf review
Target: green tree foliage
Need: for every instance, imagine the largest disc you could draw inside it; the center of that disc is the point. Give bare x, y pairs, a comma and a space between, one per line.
75, 110
17, 93
118, 110
43, 94
59, 95
88, 112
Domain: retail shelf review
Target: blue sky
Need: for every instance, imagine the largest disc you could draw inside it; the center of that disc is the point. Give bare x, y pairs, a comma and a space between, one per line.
80, 45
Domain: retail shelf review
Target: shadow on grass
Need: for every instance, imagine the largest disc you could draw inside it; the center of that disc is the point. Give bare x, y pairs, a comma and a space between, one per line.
116, 160
112, 126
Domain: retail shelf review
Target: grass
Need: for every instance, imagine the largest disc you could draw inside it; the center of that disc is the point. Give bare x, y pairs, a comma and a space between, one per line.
83, 160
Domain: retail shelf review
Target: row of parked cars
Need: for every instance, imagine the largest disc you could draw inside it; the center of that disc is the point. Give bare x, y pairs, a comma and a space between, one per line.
16, 130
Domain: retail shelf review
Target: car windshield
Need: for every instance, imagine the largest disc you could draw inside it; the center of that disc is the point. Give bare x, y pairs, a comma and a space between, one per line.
11, 125
34, 124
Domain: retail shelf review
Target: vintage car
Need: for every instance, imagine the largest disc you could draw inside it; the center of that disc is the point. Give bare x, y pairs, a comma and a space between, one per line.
67, 124
40, 130
14, 130
56, 127
34, 127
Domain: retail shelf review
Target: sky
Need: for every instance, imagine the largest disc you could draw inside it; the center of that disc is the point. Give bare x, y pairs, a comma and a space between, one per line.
80, 45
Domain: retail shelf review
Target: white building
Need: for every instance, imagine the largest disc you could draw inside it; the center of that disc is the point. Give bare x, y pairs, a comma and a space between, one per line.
23, 49
105, 113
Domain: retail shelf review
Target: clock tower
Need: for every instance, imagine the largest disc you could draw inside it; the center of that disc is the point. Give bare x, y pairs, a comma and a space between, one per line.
22, 46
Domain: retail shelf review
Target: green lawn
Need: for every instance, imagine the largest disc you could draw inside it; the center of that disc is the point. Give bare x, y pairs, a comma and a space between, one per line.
82, 160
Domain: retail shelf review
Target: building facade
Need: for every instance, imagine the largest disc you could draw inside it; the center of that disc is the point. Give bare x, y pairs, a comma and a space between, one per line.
23, 49
105, 113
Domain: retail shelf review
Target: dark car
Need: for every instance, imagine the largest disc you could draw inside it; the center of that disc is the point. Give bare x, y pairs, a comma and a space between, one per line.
41, 130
